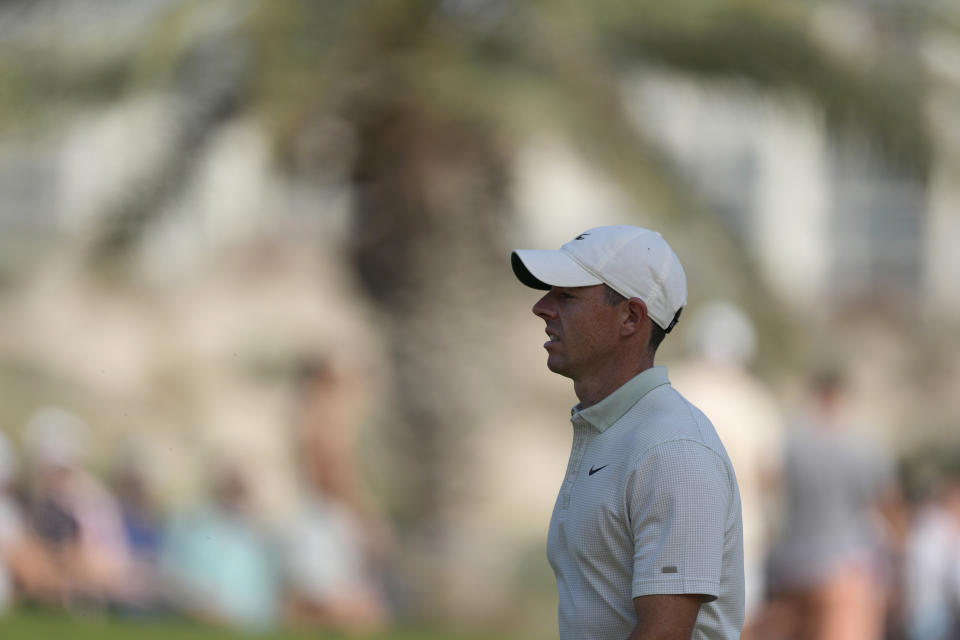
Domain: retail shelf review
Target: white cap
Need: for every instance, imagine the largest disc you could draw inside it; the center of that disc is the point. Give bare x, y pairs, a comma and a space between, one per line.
633, 261
55, 437
722, 333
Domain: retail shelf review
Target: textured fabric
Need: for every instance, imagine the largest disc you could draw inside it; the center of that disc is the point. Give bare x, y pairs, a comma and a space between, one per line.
748, 422
649, 505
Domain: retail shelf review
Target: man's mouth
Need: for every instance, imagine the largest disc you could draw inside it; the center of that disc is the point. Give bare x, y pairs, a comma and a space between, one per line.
554, 338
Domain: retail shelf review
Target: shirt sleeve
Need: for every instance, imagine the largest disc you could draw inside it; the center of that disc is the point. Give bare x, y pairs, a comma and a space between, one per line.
680, 495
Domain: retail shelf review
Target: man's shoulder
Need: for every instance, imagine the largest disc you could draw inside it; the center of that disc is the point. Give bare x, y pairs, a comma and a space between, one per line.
663, 416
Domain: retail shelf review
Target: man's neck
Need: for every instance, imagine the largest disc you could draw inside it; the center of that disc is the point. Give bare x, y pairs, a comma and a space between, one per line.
593, 389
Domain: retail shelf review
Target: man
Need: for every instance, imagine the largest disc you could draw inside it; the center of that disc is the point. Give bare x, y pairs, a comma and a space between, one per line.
646, 536
841, 511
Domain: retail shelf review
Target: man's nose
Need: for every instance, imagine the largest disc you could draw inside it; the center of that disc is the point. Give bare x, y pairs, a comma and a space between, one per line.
544, 307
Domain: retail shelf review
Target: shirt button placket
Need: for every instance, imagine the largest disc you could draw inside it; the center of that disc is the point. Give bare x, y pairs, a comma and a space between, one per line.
576, 460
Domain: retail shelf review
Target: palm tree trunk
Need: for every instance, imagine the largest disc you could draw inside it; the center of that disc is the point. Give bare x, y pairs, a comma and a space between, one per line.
430, 192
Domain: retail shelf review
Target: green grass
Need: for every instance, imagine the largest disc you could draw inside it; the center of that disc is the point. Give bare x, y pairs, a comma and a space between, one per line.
29, 625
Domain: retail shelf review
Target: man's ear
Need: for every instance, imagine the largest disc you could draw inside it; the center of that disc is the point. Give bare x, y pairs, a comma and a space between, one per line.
634, 318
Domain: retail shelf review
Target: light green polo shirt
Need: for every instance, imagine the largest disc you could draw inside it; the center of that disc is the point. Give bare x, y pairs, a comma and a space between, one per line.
649, 505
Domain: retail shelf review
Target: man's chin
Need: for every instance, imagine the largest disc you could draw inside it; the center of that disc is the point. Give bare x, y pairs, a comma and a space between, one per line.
558, 368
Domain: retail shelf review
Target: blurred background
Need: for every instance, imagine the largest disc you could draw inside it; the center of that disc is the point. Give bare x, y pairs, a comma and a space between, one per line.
264, 366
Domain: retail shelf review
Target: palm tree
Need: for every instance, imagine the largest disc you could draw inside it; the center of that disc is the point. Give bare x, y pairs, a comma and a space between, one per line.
428, 95
432, 90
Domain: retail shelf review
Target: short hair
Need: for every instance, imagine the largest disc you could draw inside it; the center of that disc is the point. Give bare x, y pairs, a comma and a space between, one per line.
611, 296
657, 333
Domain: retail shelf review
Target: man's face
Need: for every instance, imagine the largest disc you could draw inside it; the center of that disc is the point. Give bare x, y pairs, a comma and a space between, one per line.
583, 329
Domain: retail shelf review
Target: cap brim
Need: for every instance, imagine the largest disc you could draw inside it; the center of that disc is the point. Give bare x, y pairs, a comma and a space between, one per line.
544, 269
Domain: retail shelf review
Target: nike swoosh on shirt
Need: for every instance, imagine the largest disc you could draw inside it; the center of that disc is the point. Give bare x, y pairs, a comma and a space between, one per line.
593, 471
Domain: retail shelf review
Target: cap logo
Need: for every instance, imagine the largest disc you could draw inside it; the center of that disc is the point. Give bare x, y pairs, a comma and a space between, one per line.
581, 236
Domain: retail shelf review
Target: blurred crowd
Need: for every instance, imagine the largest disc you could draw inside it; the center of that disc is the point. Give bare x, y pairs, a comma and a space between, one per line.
836, 547
83, 542
837, 544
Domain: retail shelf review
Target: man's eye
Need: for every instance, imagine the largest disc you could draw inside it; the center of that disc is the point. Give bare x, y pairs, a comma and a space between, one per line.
566, 296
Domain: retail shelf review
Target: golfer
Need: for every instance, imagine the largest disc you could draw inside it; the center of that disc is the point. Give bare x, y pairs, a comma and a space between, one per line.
646, 535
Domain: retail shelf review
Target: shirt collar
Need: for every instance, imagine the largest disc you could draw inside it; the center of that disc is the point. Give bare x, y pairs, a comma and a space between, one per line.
602, 415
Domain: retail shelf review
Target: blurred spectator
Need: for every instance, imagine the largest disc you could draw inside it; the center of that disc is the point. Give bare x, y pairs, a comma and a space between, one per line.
216, 562
73, 515
11, 524
932, 568
24, 567
717, 379
143, 526
828, 569
326, 570
331, 400
336, 537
